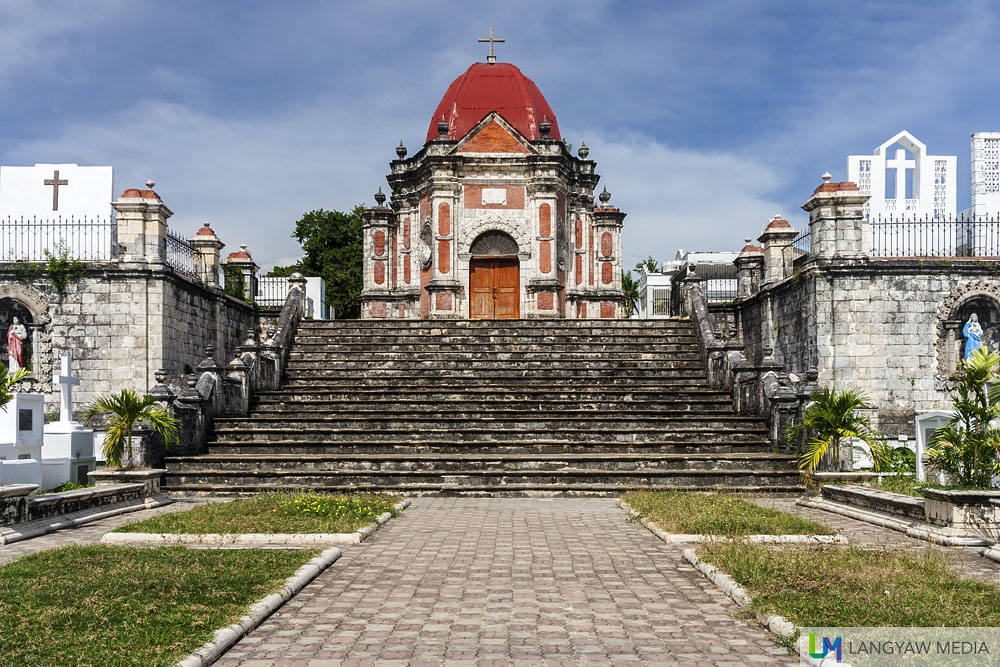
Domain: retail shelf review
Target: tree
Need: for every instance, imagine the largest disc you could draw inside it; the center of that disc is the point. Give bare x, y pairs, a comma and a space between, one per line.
332, 244
126, 408
7, 382
833, 415
968, 448
649, 265
630, 288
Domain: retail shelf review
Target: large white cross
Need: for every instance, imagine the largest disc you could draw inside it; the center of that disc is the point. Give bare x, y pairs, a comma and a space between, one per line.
900, 164
65, 381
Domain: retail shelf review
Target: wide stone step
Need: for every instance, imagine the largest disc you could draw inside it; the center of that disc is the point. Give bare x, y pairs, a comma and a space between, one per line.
497, 371
515, 350
496, 383
408, 327
507, 420
460, 407
569, 396
479, 342
486, 462
439, 479
541, 445
410, 433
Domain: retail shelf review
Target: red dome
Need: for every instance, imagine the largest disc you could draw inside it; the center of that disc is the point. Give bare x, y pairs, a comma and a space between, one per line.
486, 87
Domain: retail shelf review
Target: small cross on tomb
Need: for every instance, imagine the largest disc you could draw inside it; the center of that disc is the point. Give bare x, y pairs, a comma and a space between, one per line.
55, 183
65, 381
491, 39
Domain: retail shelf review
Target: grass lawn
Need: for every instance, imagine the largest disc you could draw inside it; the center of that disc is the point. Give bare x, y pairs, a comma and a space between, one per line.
852, 587
101, 605
694, 512
273, 513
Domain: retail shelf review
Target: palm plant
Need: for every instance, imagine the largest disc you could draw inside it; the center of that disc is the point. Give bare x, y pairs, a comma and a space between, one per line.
968, 447
127, 409
630, 289
833, 416
7, 383
649, 265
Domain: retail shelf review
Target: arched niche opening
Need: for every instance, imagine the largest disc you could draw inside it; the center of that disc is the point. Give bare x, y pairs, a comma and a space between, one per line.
988, 312
494, 243
14, 313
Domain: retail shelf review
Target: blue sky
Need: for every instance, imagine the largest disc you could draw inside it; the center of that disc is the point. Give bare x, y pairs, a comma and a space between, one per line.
704, 118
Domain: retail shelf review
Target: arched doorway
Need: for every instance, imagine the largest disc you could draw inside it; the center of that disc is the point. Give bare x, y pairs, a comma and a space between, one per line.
494, 278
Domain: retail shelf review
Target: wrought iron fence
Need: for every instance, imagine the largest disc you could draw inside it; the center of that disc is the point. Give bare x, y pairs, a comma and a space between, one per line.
958, 236
180, 254
803, 241
29, 239
271, 292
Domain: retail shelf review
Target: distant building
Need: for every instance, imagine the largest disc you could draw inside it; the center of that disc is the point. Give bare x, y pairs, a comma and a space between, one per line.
658, 290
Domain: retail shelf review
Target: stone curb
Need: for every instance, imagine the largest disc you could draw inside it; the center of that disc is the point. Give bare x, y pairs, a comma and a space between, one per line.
10, 535
682, 538
253, 539
779, 625
915, 529
993, 553
226, 637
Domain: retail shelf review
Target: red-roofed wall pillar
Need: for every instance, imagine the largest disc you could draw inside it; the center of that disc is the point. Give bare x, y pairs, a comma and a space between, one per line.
142, 226
836, 221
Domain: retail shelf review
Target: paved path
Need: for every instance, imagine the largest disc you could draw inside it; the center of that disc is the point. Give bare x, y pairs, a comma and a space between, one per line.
965, 560
90, 533
498, 581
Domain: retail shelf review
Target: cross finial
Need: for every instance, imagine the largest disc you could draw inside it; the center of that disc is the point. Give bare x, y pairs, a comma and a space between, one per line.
491, 39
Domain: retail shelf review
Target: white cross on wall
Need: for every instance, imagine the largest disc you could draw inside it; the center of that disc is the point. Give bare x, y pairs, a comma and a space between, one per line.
900, 164
64, 380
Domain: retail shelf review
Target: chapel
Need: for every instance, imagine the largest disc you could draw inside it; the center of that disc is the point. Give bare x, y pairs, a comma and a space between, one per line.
493, 218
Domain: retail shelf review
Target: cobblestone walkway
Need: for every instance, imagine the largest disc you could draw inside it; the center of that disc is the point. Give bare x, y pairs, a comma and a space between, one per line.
90, 533
509, 581
964, 560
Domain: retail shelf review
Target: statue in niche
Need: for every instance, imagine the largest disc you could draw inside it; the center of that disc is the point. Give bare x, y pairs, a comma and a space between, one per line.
973, 334
17, 334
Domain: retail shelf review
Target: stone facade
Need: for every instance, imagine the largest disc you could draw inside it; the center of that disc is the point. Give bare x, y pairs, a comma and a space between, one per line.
124, 319
504, 188
890, 327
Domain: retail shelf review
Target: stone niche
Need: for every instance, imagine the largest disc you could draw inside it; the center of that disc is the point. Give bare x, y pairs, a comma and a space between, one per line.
9, 309
978, 298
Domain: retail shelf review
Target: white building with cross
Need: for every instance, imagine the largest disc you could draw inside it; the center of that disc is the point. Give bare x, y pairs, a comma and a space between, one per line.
49, 207
903, 180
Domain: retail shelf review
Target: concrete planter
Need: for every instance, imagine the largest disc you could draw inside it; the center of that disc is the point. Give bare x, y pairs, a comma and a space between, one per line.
875, 499
149, 478
14, 503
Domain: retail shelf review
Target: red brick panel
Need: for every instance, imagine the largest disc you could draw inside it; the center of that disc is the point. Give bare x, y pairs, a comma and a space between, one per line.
406, 268
493, 139
444, 256
607, 309
402, 310
606, 244
590, 256
581, 308
545, 256
545, 300
378, 309
545, 220
579, 233
395, 261
442, 301
606, 275
379, 242
474, 196
425, 297
406, 233
425, 209
379, 272
444, 219
579, 269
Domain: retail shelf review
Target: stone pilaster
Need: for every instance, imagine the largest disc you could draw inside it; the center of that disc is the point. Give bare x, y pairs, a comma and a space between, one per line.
142, 226
777, 238
836, 221
206, 246
377, 225
749, 270
242, 262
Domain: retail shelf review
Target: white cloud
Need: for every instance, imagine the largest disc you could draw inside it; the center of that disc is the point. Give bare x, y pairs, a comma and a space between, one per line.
678, 198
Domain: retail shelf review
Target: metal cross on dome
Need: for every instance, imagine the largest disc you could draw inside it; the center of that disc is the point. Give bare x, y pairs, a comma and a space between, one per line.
491, 58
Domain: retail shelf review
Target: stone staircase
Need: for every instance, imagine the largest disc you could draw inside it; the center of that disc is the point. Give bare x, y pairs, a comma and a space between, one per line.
489, 407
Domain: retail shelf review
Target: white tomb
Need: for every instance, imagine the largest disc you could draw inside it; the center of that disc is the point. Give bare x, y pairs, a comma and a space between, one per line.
21, 439
926, 423
69, 447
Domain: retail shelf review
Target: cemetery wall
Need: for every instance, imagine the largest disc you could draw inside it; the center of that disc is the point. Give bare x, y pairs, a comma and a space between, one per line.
890, 328
121, 323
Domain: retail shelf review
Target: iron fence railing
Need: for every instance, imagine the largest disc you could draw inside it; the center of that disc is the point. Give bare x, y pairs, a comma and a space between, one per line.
29, 239
959, 236
271, 291
180, 254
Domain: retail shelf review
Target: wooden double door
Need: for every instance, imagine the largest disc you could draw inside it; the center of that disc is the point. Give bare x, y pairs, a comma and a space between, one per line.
495, 288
